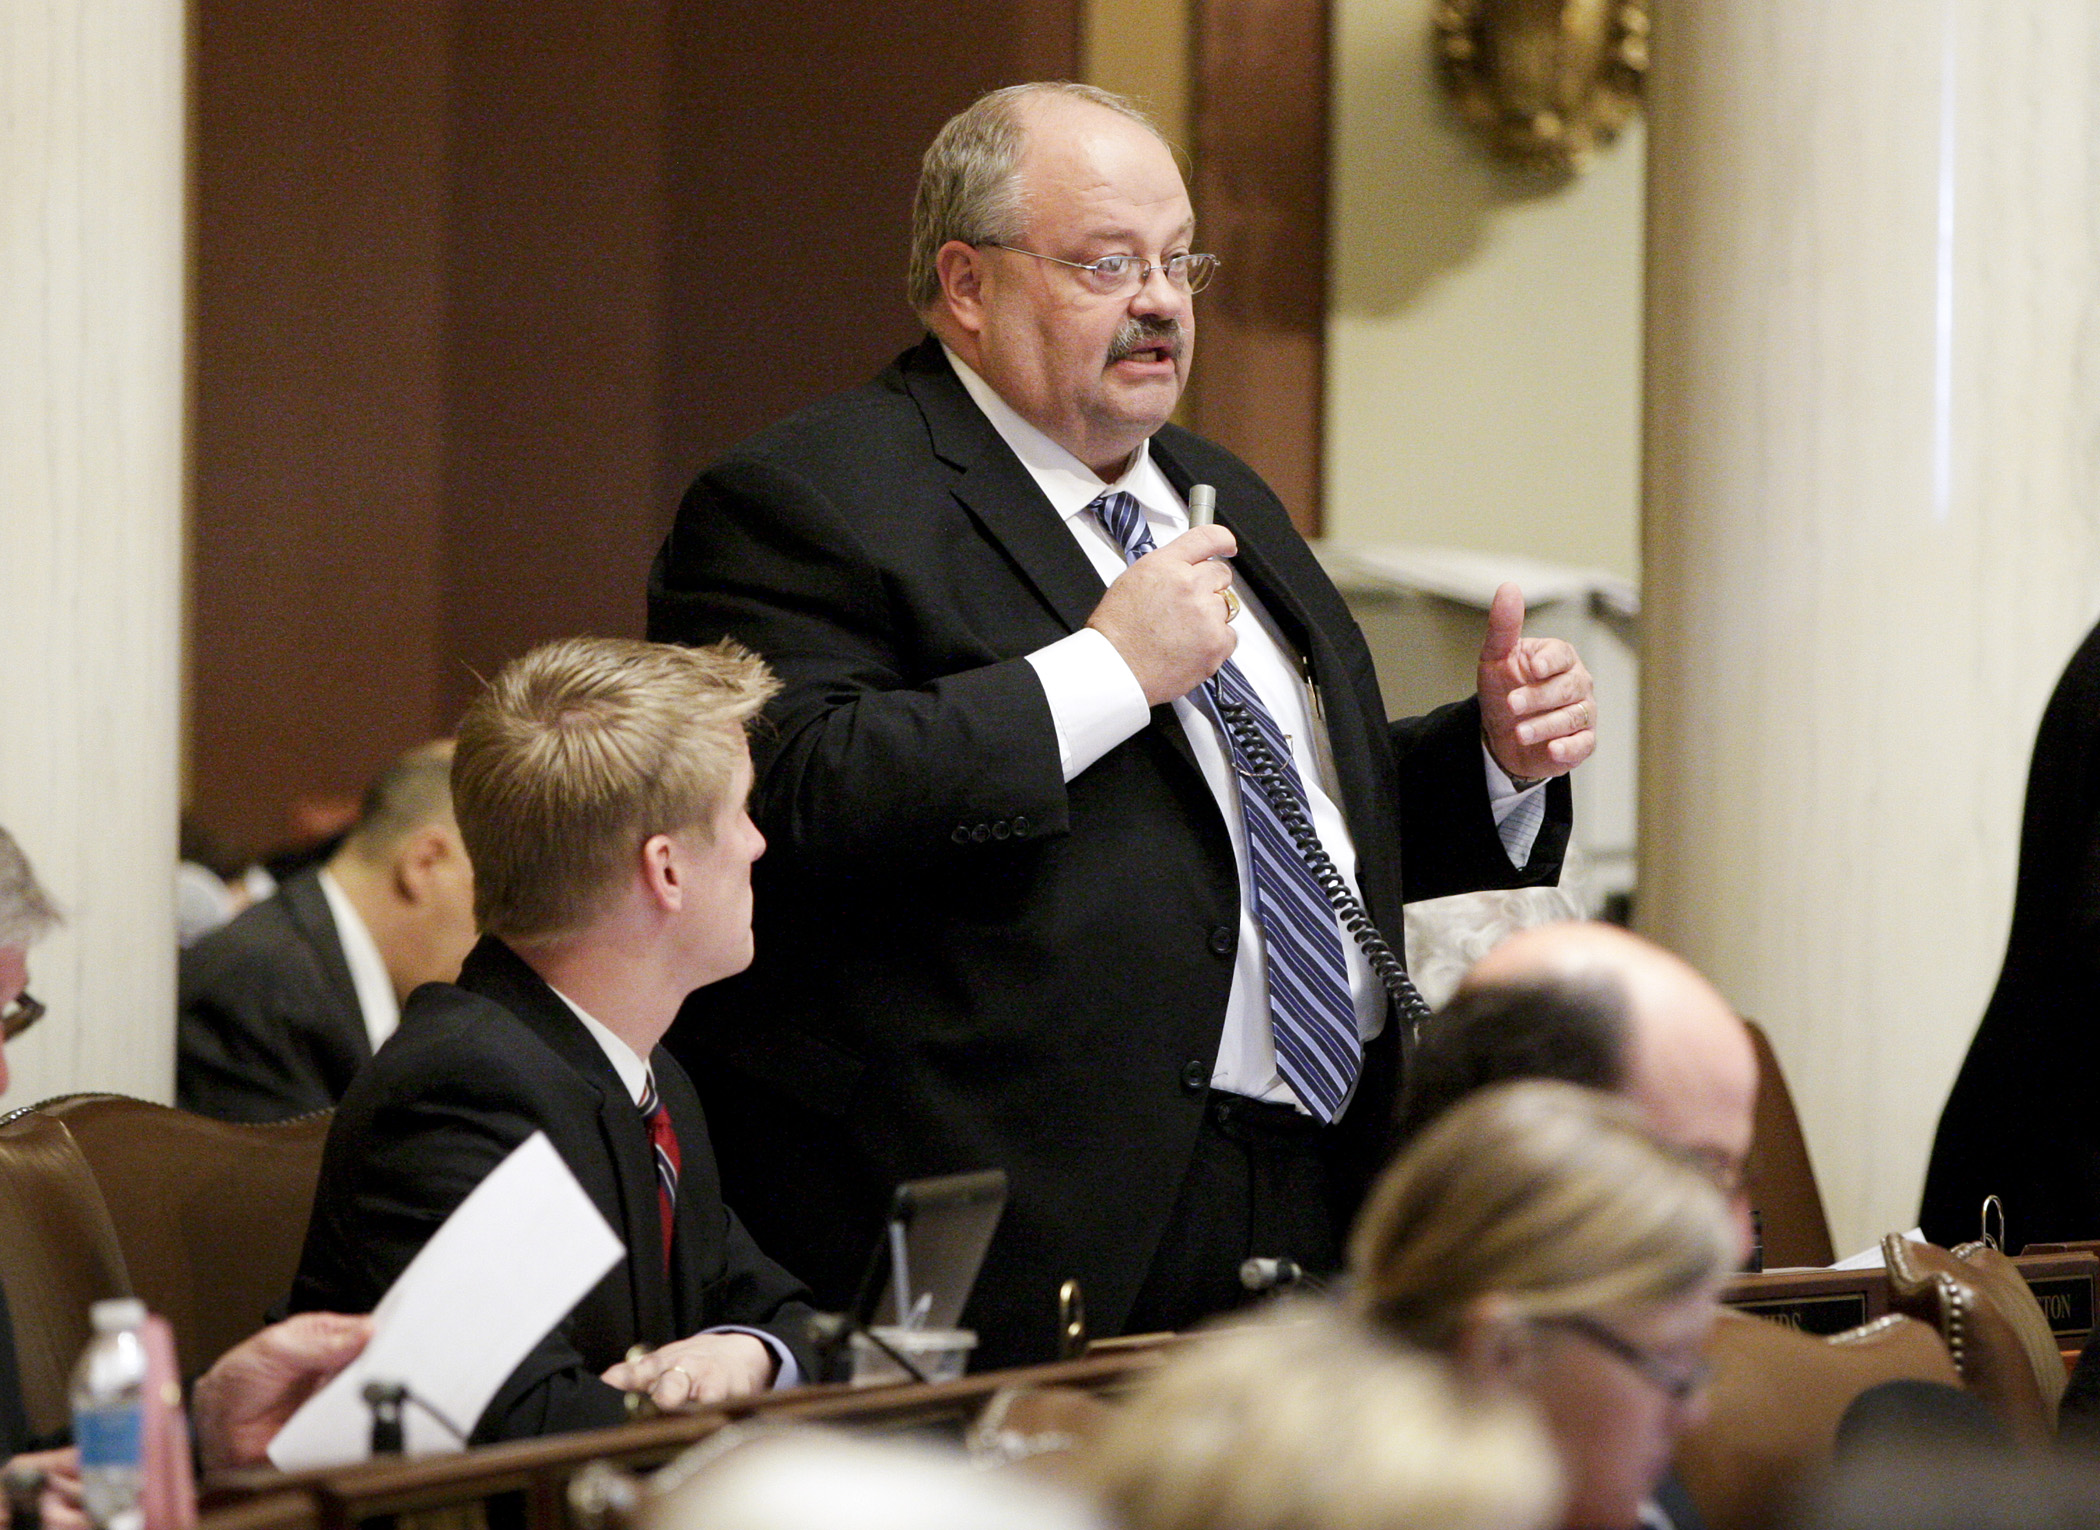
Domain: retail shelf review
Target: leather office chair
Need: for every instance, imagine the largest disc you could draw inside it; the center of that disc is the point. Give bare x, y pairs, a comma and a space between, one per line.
58, 1254
1036, 1429
1993, 1327
210, 1215
1774, 1405
1782, 1181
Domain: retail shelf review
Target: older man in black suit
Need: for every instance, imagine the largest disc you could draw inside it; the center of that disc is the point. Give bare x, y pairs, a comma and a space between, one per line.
600, 788
1021, 913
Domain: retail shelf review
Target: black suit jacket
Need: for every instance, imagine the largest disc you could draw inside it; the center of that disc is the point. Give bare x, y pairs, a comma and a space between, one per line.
269, 1025
2019, 1123
474, 1070
964, 962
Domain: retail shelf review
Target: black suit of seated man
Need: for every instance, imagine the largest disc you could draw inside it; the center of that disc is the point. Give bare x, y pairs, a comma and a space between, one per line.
600, 787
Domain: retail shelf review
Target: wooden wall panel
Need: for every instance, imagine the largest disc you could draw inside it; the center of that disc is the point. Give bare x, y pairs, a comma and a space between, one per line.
317, 422
1260, 150
791, 204
479, 287
554, 320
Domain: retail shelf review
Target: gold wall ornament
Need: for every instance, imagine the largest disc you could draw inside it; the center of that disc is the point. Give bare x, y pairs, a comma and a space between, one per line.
1546, 82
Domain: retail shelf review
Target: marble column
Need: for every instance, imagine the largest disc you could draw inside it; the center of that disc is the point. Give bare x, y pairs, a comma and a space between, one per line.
91, 477
1872, 522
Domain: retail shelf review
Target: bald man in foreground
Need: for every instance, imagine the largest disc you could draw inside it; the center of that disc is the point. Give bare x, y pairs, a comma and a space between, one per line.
1594, 1004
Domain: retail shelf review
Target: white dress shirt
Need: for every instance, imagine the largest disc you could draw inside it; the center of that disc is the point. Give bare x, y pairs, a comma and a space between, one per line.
1096, 703
368, 974
633, 1069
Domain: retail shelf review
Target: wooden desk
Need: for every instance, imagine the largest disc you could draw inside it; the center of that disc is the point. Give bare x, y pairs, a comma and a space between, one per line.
1830, 1301
525, 1484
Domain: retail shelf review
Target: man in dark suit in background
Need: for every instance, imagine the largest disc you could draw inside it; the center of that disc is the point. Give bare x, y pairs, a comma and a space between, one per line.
1018, 913
279, 1009
600, 786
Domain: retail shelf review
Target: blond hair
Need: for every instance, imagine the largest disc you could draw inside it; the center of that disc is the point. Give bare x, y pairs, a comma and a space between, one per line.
969, 179
1306, 1420
760, 1477
579, 751
1553, 1196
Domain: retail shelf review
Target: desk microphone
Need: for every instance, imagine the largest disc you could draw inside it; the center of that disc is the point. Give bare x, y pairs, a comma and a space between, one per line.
1203, 505
390, 1402
386, 1399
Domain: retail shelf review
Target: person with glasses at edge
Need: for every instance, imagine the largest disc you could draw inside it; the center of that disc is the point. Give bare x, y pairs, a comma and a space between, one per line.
1016, 916
1541, 1238
237, 1406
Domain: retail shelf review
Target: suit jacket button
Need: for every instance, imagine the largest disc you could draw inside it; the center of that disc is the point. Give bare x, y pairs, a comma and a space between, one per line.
961, 834
1002, 829
980, 834
1224, 940
1020, 824
1195, 1077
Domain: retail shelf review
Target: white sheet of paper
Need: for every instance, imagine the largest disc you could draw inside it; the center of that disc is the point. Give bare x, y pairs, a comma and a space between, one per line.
1870, 1259
508, 1265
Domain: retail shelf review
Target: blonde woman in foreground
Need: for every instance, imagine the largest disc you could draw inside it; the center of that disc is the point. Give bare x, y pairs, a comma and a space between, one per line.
1306, 1420
759, 1478
1539, 1237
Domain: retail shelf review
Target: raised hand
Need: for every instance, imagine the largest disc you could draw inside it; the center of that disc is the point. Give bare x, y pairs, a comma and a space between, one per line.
1538, 705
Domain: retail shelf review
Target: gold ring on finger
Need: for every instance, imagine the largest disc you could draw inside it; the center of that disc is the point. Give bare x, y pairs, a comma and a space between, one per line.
1232, 603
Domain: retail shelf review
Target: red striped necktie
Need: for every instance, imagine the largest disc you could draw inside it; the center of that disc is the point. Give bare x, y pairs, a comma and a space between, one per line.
665, 1140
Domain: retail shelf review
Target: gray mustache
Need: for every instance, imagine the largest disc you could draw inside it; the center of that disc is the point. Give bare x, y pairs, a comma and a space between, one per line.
1142, 334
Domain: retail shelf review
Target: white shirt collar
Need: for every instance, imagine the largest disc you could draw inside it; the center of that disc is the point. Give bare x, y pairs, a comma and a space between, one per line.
632, 1067
376, 1002
1069, 484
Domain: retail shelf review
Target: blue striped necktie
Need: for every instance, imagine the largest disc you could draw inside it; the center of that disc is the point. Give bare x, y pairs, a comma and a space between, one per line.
1311, 1014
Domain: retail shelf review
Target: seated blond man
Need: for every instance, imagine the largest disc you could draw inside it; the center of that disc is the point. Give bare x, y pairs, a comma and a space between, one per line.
599, 786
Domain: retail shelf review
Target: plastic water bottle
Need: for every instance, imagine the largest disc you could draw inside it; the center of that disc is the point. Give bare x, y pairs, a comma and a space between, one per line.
109, 1414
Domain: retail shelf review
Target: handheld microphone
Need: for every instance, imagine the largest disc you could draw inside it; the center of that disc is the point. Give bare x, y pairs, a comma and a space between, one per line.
1203, 505
1271, 1274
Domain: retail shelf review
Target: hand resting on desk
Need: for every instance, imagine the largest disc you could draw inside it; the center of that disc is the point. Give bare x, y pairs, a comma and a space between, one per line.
706, 1368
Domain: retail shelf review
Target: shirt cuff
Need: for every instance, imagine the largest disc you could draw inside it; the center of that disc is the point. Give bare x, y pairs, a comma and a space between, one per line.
787, 1372
1095, 701
1519, 815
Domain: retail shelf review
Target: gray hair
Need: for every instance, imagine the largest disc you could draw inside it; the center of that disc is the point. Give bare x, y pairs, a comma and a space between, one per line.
27, 913
969, 180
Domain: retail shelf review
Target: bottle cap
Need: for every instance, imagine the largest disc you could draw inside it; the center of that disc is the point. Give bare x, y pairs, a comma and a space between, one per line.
117, 1314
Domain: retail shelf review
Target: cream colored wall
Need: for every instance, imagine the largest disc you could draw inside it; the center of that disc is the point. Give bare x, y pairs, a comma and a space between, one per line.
1872, 542
1484, 328
91, 386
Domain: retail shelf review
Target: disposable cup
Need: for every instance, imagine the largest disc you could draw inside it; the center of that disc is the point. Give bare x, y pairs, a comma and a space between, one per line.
939, 1353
